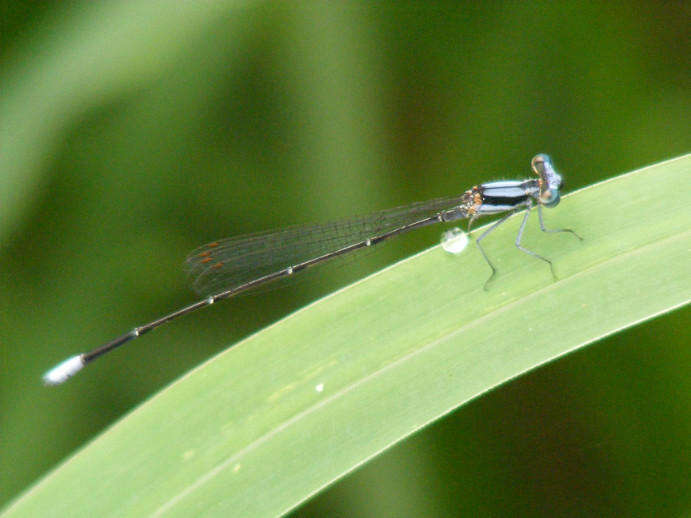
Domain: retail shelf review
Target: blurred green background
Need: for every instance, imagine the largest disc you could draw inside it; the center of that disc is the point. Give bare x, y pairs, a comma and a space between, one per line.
133, 131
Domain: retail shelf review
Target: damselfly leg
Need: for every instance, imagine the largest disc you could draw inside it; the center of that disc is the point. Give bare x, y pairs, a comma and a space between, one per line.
482, 250
528, 204
554, 230
530, 252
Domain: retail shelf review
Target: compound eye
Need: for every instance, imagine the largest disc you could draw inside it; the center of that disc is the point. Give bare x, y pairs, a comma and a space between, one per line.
539, 163
550, 198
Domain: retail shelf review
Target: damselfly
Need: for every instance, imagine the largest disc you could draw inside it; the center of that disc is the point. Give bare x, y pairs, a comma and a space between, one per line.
225, 268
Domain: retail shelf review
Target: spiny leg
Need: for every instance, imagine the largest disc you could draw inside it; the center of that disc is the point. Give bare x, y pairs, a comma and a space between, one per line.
471, 220
530, 252
477, 242
549, 231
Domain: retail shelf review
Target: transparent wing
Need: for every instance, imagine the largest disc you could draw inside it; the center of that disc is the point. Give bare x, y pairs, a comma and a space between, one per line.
231, 262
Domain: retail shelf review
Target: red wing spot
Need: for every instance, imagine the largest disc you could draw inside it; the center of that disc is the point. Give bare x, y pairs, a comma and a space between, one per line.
207, 259
204, 254
217, 265
212, 245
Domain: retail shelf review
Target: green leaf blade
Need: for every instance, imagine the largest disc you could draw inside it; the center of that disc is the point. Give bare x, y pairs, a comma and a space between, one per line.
261, 427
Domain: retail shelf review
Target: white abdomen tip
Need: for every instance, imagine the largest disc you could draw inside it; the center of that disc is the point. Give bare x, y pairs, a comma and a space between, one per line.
64, 371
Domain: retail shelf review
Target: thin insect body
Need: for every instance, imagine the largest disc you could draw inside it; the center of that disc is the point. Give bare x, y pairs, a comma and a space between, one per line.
225, 268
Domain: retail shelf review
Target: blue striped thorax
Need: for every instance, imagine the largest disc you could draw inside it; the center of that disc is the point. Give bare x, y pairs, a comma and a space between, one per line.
507, 195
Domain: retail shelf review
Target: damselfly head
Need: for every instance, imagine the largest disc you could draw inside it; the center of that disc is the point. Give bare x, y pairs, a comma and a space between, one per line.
550, 180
